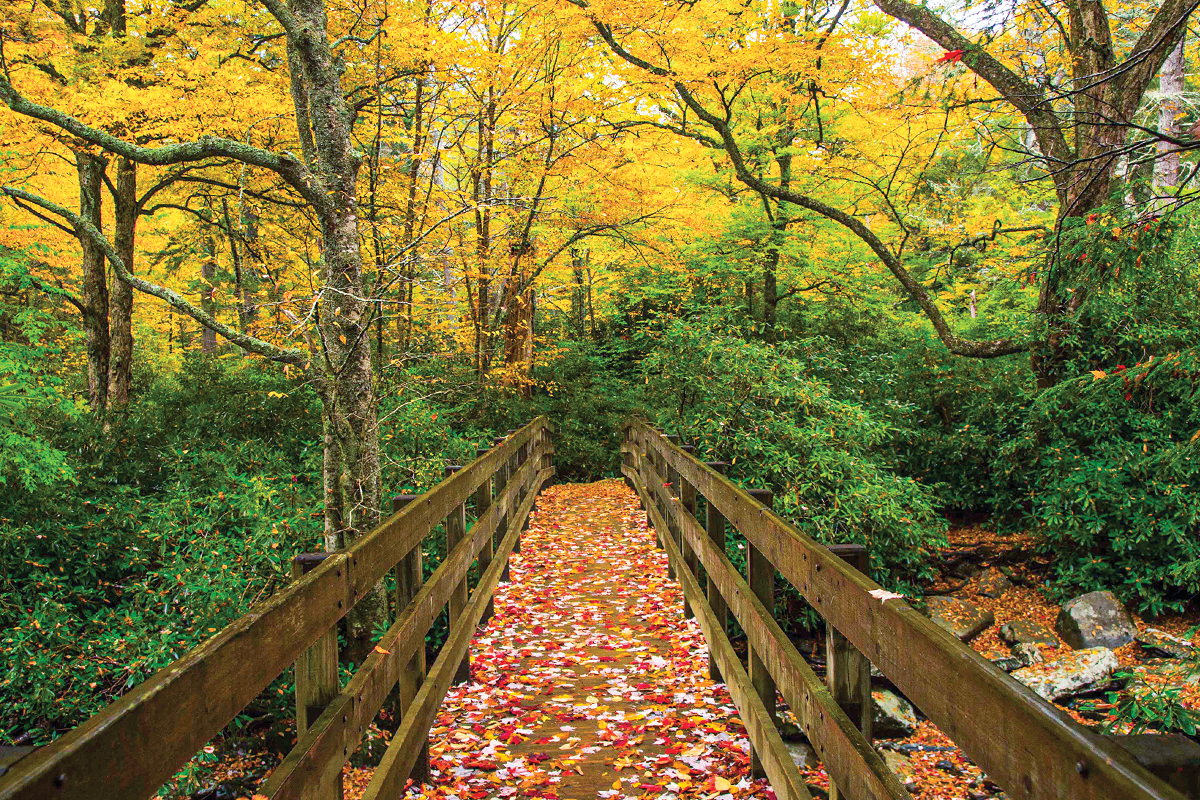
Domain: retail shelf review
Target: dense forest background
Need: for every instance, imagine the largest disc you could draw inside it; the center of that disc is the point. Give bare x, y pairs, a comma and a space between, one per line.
263, 267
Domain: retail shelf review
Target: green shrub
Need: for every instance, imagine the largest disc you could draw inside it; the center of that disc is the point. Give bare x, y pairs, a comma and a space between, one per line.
758, 407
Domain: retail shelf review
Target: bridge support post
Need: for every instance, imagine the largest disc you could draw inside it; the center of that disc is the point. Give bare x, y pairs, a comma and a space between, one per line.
456, 528
499, 483
671, 477
760, 574
847, 671
317, 684
409, 577
483, 501
687, 499
714, 526
514, 463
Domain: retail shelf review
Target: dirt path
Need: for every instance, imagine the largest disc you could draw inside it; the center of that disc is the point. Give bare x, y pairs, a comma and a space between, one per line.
588, 682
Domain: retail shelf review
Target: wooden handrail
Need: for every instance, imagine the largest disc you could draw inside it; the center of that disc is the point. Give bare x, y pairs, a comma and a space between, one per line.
133, 746
1024, 744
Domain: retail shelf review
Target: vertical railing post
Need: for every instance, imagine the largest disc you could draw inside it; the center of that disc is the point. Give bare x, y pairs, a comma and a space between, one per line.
671, 477
456, 528
409, 577
483, 501
760, 574
628, 437
687, 499
847, 671
499, 484
522, 457
511, 469
714, 526
317, 684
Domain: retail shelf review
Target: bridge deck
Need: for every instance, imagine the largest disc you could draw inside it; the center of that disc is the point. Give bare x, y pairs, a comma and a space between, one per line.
587, 682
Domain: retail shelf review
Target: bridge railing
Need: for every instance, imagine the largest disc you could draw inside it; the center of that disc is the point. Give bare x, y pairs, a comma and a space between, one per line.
136, 744
1024, 744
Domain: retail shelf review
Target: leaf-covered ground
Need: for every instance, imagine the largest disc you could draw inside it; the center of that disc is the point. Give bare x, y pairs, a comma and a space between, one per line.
588, 682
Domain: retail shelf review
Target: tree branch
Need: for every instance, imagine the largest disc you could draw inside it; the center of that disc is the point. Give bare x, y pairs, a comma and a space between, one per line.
85, 229
286, 166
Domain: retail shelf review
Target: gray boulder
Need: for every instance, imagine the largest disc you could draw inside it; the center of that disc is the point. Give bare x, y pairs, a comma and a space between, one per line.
802, 754
1163, 643
894, 716
1076, 672
1096, 619
1027, 631
1027, 653
993, 583
961, 617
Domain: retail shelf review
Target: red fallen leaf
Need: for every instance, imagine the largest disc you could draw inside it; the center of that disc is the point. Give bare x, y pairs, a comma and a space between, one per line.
950, 57
537, 758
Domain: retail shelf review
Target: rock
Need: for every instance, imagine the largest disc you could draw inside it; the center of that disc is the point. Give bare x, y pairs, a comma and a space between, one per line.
898, 763
1028, 653
1027, 631
994, 583
1163, 643
1008, 663
1074, 673
961, 617
894, 717
1149, 679
802, 753
1096, 619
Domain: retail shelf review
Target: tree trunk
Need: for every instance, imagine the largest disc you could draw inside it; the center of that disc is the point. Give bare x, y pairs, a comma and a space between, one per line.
245, 308
208, 279
120, 303
348, 385
1170, 87
94, 294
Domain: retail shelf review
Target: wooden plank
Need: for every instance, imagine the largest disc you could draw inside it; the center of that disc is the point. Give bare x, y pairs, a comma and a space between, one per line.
714, 527
1026, 745
392, 773
338, 731
410, 575
483, 499
456, 530
760, 574
846, 754
778, 766
11, 755
687, 498
153, 729
847, 671
317, 682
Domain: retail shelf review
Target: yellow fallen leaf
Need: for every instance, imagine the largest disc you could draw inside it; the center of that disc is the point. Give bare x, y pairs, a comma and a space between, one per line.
1099, 374
720, 784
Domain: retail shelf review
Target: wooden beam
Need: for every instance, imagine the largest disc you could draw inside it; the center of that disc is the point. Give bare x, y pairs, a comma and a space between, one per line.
317, 682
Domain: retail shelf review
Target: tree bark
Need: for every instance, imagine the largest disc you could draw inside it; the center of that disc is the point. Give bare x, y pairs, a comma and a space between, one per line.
1170, 88
208, 278
94, 294
348, 390
120, 304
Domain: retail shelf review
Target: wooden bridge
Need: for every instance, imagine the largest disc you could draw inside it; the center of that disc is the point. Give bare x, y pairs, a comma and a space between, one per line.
1025, 745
